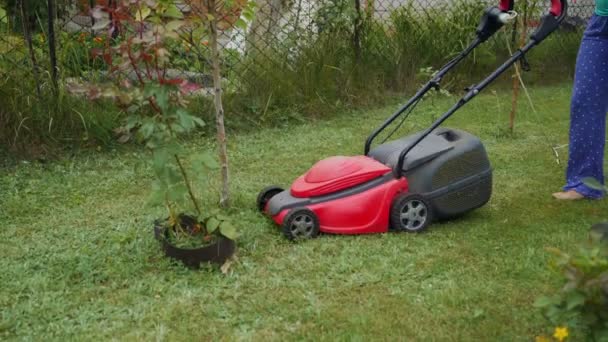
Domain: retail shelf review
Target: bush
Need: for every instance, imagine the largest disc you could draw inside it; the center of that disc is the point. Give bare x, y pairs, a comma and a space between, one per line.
582, 304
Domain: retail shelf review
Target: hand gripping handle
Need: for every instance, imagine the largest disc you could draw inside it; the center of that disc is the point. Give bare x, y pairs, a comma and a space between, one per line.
506, 5
557, 6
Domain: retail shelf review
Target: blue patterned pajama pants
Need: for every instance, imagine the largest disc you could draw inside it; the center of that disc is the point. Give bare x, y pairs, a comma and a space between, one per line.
588, 109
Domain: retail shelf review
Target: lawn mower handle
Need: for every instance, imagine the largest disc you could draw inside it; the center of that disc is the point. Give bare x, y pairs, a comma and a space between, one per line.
549, 23
490, 23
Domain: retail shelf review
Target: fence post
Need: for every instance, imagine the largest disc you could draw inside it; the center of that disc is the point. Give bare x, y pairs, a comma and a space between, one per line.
91, 5
51, 40
28, 38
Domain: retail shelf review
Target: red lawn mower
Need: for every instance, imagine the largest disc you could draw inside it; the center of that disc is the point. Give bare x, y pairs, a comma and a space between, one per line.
406, 184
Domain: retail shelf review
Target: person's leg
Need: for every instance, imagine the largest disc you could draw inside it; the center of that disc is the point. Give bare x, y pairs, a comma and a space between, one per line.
588, 119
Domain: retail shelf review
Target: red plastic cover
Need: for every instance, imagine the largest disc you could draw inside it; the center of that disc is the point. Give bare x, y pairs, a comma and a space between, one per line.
337, 173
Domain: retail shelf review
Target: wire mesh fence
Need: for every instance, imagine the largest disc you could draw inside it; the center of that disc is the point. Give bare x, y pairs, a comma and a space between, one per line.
289, 47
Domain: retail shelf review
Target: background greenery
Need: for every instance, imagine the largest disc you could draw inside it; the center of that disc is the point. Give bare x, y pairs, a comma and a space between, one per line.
297, 75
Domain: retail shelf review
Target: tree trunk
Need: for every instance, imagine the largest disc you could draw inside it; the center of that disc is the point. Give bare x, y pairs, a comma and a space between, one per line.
219, 109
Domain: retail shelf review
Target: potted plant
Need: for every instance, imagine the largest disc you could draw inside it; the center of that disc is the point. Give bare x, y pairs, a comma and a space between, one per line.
193, 241
137, 61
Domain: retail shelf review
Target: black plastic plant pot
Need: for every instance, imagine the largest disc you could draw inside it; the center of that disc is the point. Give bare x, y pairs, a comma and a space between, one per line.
216, 253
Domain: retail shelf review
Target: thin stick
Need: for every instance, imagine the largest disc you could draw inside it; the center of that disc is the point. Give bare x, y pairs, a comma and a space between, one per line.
187, 181
516, 78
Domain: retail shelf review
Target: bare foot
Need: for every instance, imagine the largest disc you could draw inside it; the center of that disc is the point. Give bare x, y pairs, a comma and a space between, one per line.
568, 195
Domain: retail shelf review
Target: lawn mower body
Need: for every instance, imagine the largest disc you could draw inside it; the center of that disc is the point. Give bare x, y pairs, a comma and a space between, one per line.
405, 184
349, 195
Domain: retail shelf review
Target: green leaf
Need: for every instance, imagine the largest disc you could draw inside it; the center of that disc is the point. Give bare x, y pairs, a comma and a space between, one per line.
198, 121
174, 25
228, 230
160, 95
133, 121
150, 89
147, 128
177, 128
177, 193
152, 144
132, 109
222, 217
593, 183
157, 195
173, 176
210, 17
574, 299
162, 99
248, 14
212, 225
185, 119
544, 302
160, 158
142, 13
553, 314
199, 32
174, 148
173, 12
240, 23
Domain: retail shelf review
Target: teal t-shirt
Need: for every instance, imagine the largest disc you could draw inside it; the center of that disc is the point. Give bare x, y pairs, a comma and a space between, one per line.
601, 7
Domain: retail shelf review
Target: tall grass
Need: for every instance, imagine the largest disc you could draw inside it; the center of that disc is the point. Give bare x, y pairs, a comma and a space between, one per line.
318, 72
33, 126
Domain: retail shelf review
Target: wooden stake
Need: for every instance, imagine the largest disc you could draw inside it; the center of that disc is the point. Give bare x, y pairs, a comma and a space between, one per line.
219, 109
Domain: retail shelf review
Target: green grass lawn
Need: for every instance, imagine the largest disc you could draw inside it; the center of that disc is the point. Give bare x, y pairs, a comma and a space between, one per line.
78, 260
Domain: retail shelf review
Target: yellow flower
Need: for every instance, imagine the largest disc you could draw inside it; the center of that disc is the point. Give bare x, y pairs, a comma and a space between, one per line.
541, 338
560, 333
98, 39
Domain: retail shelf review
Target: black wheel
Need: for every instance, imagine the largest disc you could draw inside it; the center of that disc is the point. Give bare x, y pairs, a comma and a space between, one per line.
410, 213
301, 223
266, 194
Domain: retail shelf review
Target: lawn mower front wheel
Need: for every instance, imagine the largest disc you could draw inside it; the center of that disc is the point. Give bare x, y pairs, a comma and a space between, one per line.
301, 224
266, 194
